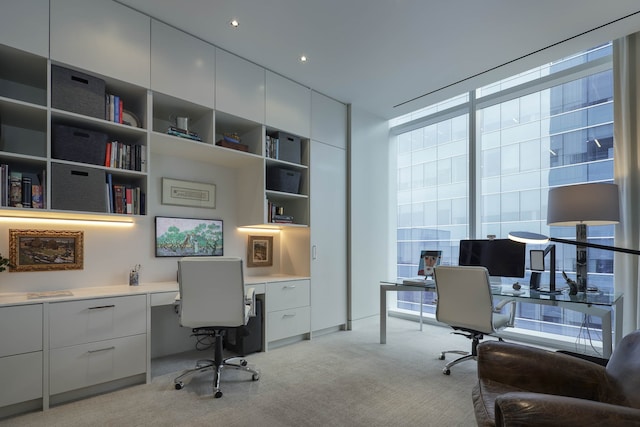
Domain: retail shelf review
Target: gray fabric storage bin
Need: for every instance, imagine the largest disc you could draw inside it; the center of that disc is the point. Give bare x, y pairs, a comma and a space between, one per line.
77, 92
281, 179
289, 148
78, 145
78, 188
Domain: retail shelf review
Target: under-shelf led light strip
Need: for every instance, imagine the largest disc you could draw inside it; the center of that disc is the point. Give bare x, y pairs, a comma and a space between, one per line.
127, 222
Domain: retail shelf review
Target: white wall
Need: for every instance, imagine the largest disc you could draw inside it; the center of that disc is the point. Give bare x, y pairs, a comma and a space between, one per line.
109, 253
372, 257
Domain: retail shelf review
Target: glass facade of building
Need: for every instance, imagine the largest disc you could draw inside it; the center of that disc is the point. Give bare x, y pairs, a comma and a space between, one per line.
483, 166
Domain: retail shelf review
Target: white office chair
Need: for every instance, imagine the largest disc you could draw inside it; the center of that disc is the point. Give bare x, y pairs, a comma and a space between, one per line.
212, 300
465, 303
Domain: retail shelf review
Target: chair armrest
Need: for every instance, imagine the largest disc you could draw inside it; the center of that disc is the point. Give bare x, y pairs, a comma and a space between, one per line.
540, 371
512, 309
533, 409
250, 300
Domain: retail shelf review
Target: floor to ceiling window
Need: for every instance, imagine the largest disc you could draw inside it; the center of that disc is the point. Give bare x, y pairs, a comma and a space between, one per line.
482, 163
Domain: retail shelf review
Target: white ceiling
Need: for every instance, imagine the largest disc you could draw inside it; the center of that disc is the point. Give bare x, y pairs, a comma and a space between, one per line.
381, 54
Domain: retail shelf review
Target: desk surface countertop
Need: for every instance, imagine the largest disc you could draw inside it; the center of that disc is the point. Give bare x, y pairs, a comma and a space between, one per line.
34, 297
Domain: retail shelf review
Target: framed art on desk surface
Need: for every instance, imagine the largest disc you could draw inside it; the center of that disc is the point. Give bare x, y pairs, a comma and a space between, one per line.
260, 251
45, 250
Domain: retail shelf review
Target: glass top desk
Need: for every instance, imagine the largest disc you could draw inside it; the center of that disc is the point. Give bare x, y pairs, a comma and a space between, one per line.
597, 304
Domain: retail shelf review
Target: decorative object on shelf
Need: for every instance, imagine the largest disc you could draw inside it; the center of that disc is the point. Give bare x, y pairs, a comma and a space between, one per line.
188, 237
134, 276
128, 118
188, 193
45, 250
175, 131
232, 140
260, 251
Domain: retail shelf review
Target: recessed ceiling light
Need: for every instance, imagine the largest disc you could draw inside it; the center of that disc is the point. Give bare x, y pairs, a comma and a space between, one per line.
234, 23
303, 58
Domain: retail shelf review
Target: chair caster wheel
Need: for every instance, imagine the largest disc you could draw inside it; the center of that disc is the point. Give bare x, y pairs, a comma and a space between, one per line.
446, 371
243, 362
218, 394
441, 357
255, 377
179, 386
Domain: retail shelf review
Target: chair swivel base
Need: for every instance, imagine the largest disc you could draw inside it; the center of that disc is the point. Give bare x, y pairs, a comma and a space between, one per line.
236, 363
465, 356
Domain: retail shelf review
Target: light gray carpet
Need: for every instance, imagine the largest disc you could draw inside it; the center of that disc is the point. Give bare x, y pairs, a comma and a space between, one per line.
339, 379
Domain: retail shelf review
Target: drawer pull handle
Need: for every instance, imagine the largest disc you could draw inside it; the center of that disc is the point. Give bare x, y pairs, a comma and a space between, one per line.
101, 349
289, 287
99, 307
288, 315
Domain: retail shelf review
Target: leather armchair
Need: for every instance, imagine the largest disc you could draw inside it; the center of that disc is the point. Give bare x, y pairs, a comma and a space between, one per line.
520, 385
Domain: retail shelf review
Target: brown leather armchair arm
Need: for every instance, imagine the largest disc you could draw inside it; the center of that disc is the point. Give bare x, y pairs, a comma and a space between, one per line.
534, 409
514, 364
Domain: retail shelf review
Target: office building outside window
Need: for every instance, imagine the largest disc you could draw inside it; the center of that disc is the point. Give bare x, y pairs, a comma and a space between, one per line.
482, 164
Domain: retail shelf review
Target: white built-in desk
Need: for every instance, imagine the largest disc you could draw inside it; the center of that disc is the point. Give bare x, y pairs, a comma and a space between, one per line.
64, 345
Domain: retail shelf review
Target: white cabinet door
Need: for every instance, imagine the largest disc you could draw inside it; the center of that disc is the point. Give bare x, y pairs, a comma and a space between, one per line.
288, 105
183, 66
84, 365
328, 121
103, 37
82, 321
14, 30
20, 329
239, 87
21, 378
328, 236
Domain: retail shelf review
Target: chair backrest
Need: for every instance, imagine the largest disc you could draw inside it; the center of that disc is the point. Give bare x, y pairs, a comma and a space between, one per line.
211, 292
623, 368
464, 298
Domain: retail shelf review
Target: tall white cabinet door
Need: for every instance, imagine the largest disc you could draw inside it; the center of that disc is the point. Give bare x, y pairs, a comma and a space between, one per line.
103, 37
34, 37
329, 120
239, 87
182, 65
328, 236
288, 105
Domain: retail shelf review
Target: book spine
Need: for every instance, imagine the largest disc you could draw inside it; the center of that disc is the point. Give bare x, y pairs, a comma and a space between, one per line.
107, 156
120, 107
116, 109
36, 196
16, 189
26, 192
129, 199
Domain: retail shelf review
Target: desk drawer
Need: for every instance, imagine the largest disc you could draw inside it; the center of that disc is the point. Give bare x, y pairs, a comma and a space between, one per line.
94, 363
287, 295
288, 323
20, 329
163, 298
83, 321
21, 378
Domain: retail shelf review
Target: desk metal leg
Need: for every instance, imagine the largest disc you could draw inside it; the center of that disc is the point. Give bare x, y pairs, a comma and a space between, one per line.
383, 315
421, 301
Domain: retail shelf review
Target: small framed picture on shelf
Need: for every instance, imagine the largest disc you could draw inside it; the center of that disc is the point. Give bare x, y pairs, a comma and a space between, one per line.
260, 251
45, 250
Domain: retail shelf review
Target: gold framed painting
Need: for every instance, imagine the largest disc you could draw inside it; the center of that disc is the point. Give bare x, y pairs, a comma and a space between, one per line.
260, 251
45, 250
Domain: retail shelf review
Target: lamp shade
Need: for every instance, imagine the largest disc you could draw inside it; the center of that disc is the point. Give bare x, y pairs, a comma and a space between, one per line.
589, 204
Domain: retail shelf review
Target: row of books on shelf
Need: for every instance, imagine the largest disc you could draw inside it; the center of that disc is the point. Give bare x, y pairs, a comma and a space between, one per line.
272, 148
183, 133
114, 108
18, 189
275, 214
124, 199
126, 156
